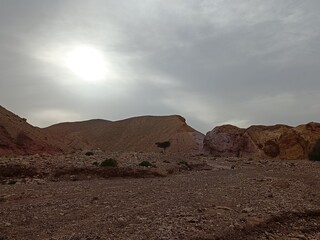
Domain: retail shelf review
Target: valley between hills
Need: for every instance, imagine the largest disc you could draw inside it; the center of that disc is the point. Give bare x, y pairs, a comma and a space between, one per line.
100, 179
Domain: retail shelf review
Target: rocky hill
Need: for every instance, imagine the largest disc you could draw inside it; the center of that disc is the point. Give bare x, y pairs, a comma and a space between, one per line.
278, 141
133, 134
19, 137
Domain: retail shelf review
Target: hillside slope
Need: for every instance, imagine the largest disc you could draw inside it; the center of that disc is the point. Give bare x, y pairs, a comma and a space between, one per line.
133, 134
19, 137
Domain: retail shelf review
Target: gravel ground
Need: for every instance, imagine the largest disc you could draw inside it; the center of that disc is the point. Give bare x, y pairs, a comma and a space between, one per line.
231, 199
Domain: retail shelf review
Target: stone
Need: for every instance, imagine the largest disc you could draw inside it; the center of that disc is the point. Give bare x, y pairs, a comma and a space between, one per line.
247, 210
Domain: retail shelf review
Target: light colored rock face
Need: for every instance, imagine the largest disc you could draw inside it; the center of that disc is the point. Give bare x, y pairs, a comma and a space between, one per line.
226, 140
278, 141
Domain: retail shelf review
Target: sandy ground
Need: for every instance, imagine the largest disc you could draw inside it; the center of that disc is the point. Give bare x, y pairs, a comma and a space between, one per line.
231, 199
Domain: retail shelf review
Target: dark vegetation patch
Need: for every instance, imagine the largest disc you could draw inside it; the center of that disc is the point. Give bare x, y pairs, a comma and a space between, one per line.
314, 154
107, 172
16, 171
89, 153
109, 162
146, 164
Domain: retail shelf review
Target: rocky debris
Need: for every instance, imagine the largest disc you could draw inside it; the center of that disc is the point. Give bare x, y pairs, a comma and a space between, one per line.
257, 199
264, 142
39, 169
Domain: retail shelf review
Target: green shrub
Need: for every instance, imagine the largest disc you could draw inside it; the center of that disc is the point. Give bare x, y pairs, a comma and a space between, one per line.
89, 153
184, 163
145, 164
109, 162
314, 154
163, 145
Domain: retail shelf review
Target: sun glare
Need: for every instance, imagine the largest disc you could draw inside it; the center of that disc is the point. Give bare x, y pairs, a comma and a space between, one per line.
87, 63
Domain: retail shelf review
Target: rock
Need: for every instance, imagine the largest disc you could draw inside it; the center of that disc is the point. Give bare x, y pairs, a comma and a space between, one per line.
247, 210
39, 181
7, 224
11, 182
224, 208
225, 140
74, 178
264, 142
301, 236
192, 220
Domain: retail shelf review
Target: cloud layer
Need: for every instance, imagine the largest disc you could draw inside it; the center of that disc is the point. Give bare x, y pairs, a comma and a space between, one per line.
214, 62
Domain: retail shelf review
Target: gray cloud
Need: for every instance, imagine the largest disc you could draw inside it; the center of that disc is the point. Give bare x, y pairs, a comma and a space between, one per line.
214, 62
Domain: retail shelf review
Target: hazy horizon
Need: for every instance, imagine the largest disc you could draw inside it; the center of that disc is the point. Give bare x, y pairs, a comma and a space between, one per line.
212, 62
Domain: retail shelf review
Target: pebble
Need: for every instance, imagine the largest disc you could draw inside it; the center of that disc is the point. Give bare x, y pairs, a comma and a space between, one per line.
247, 210
7, 224
224, 208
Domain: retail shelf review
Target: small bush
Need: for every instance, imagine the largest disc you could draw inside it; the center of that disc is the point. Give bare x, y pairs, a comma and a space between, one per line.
166, 161
89, 153
95, 163
17, 171
109, 162
314, 154
163, 145
145, 164
184, 163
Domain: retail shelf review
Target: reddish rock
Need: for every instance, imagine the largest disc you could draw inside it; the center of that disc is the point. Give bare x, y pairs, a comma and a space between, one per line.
18, 137
278, 141
226, 140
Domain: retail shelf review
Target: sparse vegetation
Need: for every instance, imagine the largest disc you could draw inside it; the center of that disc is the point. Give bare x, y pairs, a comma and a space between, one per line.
184, 163
163, 145
314, 154
89, 153
145, 164
109, 162
166, 161
16, 170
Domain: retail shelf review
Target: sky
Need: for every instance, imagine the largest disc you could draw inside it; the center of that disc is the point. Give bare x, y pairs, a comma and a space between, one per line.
212, 61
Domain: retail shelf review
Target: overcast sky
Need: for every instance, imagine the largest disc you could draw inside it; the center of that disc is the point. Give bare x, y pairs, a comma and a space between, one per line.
211, 61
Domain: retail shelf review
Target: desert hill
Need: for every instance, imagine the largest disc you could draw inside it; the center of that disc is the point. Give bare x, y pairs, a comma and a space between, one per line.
140, 134
133, 134
278, 141
19, 137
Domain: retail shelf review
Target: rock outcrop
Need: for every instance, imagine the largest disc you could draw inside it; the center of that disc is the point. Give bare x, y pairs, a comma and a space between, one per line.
17, 137
278, 141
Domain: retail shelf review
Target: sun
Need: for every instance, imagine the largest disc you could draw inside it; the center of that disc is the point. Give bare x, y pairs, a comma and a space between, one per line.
87, 63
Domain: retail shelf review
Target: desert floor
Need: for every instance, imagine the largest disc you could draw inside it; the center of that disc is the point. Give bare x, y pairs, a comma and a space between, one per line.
219, 198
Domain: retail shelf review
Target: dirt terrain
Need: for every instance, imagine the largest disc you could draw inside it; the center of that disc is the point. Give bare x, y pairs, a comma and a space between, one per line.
191, 197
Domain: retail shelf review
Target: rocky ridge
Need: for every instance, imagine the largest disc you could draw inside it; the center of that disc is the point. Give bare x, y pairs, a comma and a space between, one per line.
278, 141
18, 137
